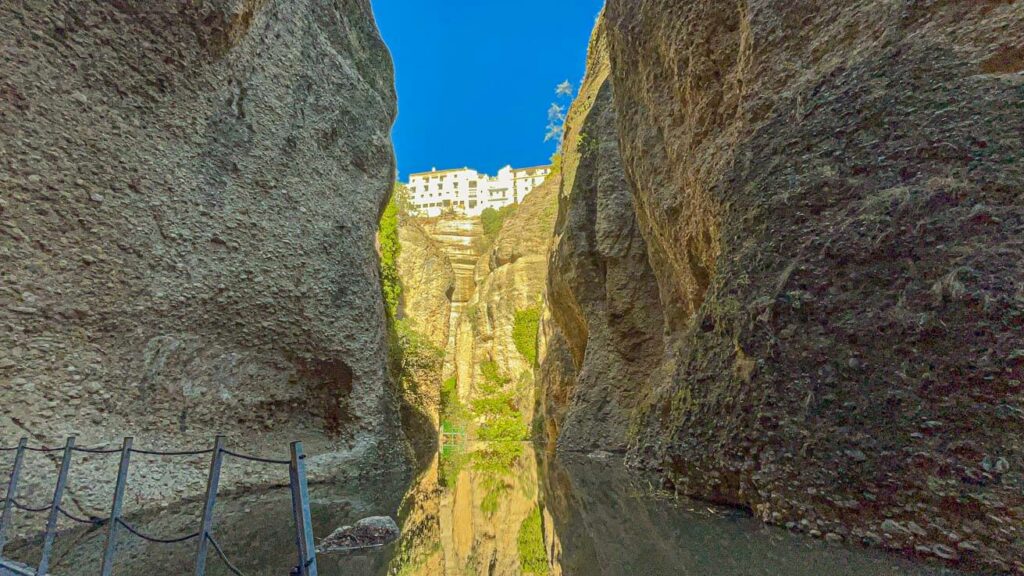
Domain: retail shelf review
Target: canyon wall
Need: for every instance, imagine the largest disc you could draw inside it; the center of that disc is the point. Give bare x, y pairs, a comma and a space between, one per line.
825, 197
510, 279
461, 240
189, 194
421, 329
601, 335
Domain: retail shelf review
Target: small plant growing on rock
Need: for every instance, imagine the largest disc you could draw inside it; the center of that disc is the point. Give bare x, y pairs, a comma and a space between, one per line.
524, 333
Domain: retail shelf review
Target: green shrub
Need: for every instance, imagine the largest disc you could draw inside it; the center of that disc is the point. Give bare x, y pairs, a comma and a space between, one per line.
418, 352
524, 333
390, 249
506, 427
497, 404
453, 459
491, 499
497, 407
453, 413
533, 557
449, 394
498, 458
492, 220
556, 162
492, 376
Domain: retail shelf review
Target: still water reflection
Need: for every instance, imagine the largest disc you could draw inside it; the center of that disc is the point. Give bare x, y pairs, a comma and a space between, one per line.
496, 509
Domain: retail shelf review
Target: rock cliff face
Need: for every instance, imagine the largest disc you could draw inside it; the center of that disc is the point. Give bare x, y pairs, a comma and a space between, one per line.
428, 282
827, 195
188, 199
510, 279
601, 337
461, 240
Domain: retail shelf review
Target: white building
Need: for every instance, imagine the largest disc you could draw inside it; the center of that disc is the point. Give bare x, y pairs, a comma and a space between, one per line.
468, 192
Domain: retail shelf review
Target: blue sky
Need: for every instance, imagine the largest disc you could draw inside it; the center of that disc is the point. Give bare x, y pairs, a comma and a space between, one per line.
476, 78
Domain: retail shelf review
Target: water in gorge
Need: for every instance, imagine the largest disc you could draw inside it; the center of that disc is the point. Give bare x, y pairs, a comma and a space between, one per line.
502, 509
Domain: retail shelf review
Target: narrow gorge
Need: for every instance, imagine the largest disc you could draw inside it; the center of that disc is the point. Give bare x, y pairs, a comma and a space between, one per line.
763, 313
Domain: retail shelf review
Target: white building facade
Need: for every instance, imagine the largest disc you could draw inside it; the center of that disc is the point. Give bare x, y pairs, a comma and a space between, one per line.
467, 192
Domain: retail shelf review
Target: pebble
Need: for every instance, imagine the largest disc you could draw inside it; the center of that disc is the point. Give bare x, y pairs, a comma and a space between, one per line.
916, 529
1002, 466
945, 552
857, 455
95, 197
872, 539
833, 537
893, 527
967, 546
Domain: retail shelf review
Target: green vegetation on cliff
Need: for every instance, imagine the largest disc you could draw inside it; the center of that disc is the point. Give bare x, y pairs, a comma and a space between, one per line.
524, 333
492, 220
390, 249
453, 412
533, 558
496, 406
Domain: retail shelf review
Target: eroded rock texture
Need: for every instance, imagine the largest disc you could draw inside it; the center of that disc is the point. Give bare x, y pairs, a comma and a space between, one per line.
510, 279
428, 283
829, 199
188, 199
601, 334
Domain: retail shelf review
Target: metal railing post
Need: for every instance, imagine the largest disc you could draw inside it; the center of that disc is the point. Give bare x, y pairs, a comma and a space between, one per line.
114, 523
211, 500
303, 520
12, 489
58, 495
293, 485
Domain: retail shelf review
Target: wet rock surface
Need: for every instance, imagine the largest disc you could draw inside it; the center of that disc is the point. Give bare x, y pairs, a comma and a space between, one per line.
190, 193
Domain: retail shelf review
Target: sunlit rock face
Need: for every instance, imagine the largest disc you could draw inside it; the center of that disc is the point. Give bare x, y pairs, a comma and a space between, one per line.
825, 197
428, 283
461, 240
188, 199
510, 279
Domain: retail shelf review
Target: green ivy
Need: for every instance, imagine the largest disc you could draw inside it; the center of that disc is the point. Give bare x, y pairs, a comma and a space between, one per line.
505, 427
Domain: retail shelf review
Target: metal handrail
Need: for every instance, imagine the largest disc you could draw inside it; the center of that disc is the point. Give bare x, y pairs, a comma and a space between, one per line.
306, 565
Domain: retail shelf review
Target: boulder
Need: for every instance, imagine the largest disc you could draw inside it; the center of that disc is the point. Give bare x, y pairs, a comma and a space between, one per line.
368, 532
